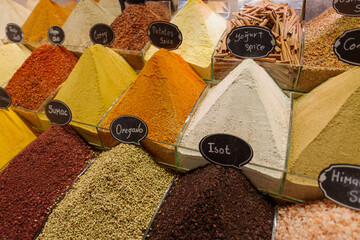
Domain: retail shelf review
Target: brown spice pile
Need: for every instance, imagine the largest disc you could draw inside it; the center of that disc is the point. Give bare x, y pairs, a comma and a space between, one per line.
160, 9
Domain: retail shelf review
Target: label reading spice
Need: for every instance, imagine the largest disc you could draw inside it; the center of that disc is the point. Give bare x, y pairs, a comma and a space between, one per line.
5, 99
14, 33
102, 34
128, 129
341, 184
347, 47
58, 112
165, 35
56, 35
250, 42
226, 150
347, 7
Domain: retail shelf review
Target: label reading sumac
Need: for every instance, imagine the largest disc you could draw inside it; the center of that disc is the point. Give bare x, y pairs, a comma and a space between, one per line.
5, 99
250, 42
347, 7
14, 33
341, 184
102, 34
128, 129
226, 150
58, 112
347, 47
165, 35
56, 35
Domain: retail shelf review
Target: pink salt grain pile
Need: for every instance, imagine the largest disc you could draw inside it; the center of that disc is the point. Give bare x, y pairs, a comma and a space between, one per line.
317, 220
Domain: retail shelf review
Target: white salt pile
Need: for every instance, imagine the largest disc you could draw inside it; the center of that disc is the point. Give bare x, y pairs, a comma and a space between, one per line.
112, 6
86, 14
247, 104
31, 4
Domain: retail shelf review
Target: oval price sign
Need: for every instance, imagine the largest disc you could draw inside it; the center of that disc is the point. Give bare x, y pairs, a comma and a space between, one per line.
56, 35
347, 47
226, 150
58, 112
102, 34
165, 35
347, 7
128, 129
5, 99
14, 33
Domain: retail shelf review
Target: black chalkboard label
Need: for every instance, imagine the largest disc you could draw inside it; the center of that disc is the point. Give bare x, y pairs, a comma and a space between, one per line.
56, 35
250, 42
58, 112
128, 129
142, 2
102, 34
165, 35
341, 184
347, 7
14, 33
5, 99
347, 47
226, 150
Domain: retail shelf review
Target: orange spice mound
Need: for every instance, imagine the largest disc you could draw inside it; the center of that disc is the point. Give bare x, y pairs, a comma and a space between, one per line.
45, 14
162, 95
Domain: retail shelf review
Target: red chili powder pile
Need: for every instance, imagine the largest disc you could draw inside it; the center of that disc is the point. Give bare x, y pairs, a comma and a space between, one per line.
36, 178
41, 74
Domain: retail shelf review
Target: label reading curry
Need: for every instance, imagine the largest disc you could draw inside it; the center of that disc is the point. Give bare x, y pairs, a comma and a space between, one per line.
102, 34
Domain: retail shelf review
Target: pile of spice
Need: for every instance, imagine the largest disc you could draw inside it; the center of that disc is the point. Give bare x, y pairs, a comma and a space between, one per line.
71, 5
31, 4
317, 220
115, 198
12, 56
247, 104
131, 26
15, 135
162, 95
46, 14
160, 9
214, 202
199, 37
36, 178
41, 74
325, 130
98, 78
11, 12
112, 6
86, 14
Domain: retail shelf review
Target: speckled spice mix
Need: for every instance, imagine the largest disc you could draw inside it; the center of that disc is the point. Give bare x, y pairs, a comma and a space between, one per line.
41, 74
36, 178
214, 202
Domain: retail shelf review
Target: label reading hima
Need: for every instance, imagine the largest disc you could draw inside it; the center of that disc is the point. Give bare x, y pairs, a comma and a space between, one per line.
341, 184
250, 42
58, 112
347, 7
165, 35
226, 150
56, 35
14, 33
102, 34
128, 129
5, 99
347, 47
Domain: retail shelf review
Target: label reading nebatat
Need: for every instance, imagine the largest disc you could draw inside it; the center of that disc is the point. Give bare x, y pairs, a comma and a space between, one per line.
341, 184
226, 150
347, 7
102, 34
128, 129
347, 47
165, 35
56, 35
58, 112
5, 99
250, 42
14, 33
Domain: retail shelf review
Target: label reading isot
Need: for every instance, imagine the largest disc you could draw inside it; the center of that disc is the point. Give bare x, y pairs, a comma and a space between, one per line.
5, 99
341, 184
14, 33
347, 47
58, 112
250, 42
226, 150
347, 7
128, 129
56, 35
102, 34
165, 35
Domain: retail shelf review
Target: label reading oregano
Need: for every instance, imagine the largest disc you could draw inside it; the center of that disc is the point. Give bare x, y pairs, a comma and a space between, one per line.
347, 7
165, 35
226, 150
102, 34
5, 99
250, 42
347, 47
14, 33
56, 35
128, 129
58, 112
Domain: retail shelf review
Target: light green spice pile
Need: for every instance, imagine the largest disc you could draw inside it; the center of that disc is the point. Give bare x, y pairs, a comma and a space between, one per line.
114, 199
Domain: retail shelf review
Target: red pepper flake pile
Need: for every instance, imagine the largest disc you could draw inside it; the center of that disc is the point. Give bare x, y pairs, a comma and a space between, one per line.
131, 26
36, 178
41, 74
